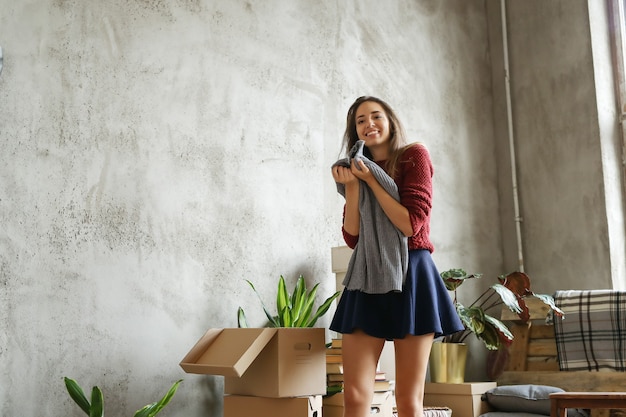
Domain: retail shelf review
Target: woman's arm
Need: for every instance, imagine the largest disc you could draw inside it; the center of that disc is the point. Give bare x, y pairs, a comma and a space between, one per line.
351, 215
415, 187
396, 212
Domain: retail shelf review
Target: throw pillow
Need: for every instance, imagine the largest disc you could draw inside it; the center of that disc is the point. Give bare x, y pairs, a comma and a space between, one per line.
533, 399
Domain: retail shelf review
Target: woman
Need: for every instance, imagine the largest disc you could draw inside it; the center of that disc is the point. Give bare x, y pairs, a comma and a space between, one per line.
421, 309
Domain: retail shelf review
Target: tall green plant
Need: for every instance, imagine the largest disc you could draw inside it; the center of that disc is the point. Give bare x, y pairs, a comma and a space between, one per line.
293, 310
95, 408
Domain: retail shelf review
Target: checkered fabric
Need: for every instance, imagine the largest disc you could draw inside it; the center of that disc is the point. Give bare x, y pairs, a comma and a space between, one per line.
592, 334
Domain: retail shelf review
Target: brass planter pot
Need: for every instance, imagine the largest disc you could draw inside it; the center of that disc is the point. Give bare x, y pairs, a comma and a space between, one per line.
447, 362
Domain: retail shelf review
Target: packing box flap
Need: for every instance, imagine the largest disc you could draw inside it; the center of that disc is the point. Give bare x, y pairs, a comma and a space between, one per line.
227, 352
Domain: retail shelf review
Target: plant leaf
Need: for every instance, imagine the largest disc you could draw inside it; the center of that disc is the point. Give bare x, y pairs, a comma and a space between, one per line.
517, 282
77, 394
321, 310
271, 318
489, 337
473, 318
282, 297
153, 409
298, 291
453, 278
308, 307
549, 300
508, 298
97, 403
298, 299
504, 334
285, 318
145, 410
241, 318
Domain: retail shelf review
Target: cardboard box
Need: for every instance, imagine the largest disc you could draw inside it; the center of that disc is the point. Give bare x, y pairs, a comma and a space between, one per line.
245, 406
340, 258
382, 405
264, 362
463, 399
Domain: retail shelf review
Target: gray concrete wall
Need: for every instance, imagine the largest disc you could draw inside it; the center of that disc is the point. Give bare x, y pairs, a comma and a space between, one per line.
568, 153
156, 154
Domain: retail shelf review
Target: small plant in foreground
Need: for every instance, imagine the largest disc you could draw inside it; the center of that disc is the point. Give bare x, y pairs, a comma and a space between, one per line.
95, 407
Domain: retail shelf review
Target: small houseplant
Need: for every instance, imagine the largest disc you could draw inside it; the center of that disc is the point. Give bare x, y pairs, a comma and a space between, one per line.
511, 290
95, 407
293, 310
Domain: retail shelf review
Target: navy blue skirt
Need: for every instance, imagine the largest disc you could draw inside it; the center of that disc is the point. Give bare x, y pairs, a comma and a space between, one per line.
423, 306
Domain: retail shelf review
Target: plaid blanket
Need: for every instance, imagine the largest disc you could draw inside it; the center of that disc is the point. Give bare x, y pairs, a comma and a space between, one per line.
592, 335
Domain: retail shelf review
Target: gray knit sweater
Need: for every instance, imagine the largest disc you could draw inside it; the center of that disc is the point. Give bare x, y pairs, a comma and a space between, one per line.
379, 261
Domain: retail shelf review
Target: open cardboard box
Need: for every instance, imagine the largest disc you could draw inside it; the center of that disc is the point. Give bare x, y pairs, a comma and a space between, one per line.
263, 362
243, 406
382, 405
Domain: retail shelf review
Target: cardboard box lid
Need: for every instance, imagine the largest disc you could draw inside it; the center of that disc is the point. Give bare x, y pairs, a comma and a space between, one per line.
465, 388
227, 352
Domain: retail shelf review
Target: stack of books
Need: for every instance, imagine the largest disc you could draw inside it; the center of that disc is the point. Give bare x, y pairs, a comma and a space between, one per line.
381, 383
334, 371
334, 367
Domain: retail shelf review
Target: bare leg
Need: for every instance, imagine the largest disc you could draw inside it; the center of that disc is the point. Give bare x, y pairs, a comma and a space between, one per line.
360, 357
412, 354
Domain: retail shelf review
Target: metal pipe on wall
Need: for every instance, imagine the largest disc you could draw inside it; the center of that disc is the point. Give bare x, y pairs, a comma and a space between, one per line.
509, 114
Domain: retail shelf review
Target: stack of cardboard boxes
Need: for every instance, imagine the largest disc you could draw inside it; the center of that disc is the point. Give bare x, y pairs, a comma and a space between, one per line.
267, 372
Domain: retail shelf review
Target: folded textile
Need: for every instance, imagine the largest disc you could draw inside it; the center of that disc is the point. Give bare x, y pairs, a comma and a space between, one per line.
437, 412
379, 261
592, 334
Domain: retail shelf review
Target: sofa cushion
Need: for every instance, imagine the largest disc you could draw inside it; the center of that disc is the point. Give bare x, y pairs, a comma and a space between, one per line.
533, 399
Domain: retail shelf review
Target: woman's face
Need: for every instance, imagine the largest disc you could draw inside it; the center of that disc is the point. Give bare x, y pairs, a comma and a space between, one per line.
372, 124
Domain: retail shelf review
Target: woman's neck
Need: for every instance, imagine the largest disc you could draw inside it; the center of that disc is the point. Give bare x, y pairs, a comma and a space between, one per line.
379, 153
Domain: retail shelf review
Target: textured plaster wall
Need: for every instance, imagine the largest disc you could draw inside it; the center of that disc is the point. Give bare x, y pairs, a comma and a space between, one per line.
571, 183
157, 153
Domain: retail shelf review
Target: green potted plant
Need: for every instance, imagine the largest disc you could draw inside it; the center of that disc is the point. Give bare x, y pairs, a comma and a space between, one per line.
511, 290
95, 407
293, 310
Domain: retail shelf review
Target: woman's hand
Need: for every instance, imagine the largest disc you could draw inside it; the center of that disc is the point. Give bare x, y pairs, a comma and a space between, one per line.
344, 175
361, 171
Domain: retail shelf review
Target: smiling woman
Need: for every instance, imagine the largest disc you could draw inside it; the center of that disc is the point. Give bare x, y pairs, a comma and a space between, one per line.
392, 289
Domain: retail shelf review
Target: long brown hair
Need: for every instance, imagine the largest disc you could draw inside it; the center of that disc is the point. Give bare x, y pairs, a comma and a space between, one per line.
397, 136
